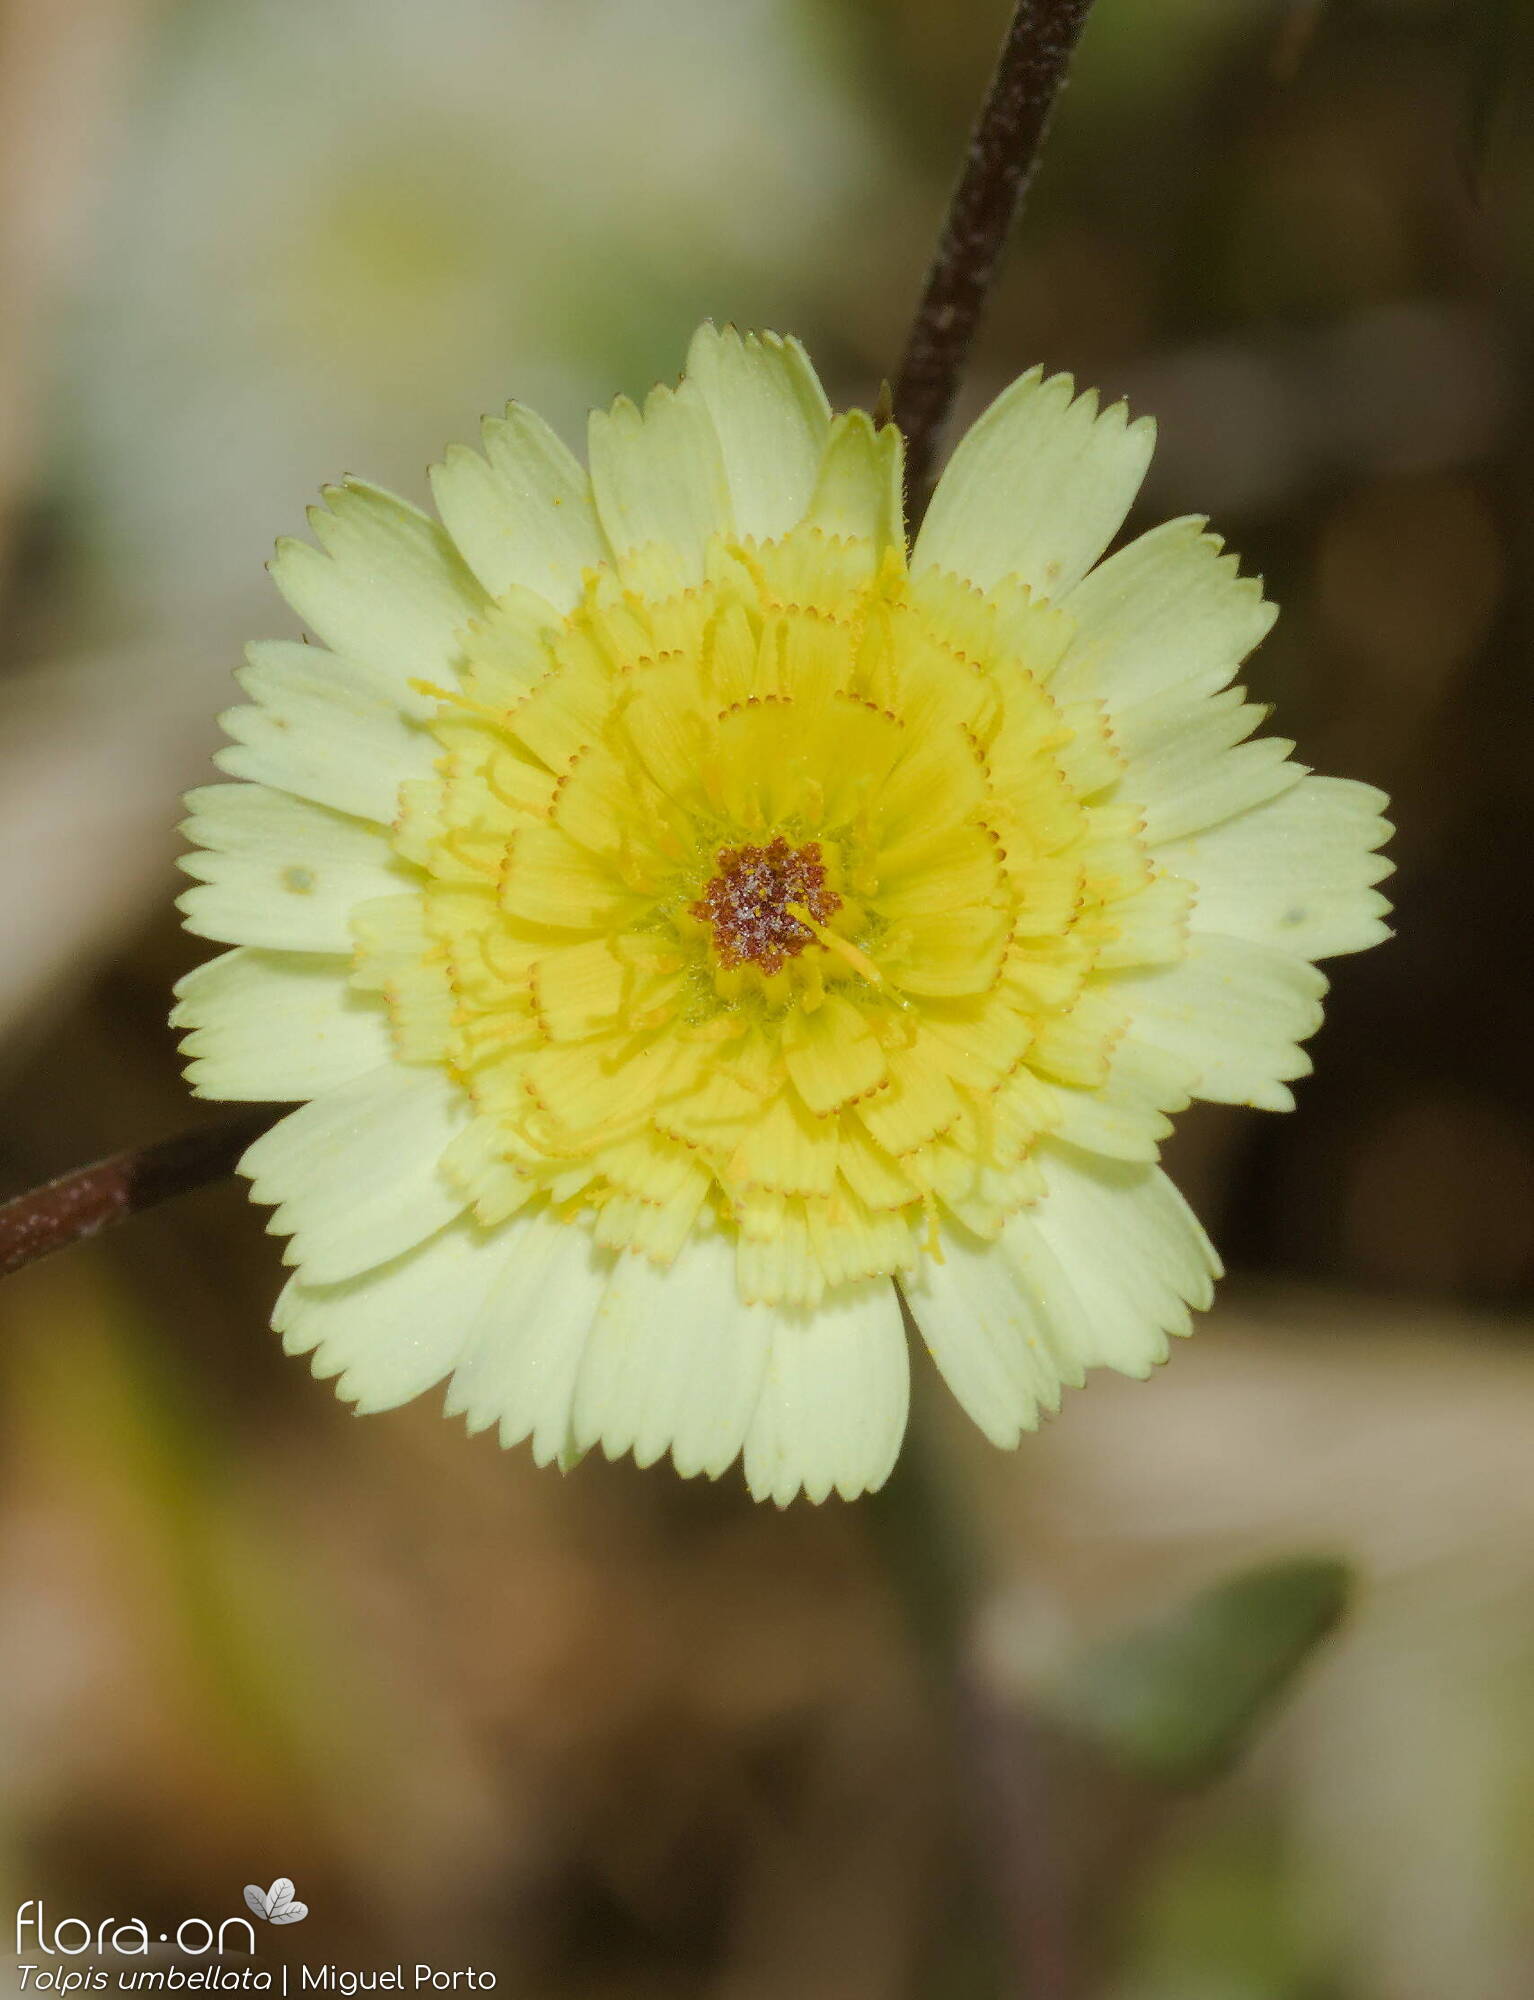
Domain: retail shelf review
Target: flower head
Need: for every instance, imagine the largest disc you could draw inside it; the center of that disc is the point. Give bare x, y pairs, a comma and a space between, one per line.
689, 915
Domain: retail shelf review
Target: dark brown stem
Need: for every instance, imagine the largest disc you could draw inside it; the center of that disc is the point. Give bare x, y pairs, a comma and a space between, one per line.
1003, 152
76, 1205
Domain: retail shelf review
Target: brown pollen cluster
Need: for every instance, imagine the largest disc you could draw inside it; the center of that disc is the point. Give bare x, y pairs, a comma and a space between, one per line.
747, 902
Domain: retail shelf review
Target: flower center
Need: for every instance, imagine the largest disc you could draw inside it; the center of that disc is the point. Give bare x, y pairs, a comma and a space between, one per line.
750, 903
781, 904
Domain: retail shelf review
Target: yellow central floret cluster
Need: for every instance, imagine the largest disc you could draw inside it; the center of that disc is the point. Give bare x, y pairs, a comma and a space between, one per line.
787, 901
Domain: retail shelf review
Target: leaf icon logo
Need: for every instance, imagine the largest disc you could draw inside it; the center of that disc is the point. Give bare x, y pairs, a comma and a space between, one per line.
275, 1905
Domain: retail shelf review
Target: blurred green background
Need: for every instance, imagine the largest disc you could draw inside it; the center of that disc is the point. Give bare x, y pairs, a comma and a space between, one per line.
610, 1736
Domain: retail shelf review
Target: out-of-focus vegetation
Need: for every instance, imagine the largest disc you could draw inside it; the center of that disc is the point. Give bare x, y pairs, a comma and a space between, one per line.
612, 1736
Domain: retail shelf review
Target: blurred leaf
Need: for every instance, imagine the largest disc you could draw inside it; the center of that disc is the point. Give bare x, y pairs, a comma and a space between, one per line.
1178, 1699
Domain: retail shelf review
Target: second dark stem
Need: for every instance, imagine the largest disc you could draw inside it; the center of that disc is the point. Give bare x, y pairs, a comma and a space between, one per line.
1003, 152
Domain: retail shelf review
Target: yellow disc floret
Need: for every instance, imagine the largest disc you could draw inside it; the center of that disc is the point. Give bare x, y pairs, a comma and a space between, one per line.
779, 902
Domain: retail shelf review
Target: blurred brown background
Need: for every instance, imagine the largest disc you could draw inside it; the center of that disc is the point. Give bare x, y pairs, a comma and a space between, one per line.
610, 1736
